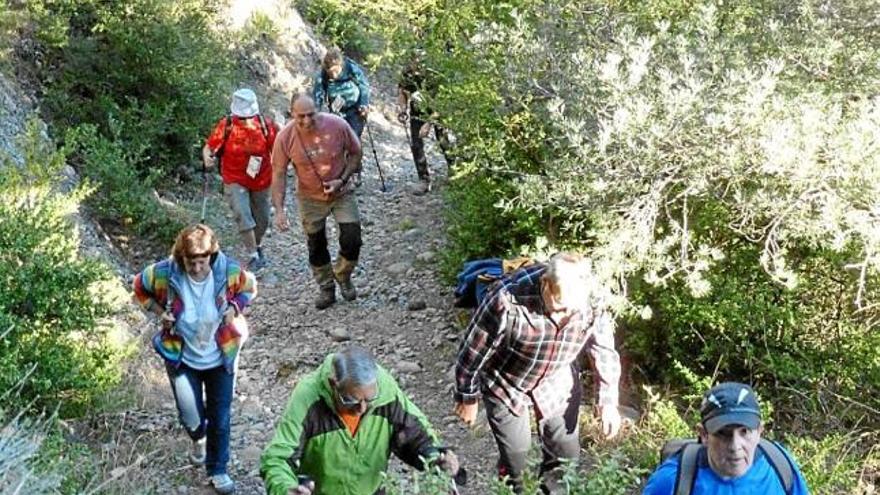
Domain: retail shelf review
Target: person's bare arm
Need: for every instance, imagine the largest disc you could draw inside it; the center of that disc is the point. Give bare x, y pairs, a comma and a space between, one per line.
280, 160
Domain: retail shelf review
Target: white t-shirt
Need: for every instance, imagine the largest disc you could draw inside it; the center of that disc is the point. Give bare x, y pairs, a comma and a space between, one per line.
198, 324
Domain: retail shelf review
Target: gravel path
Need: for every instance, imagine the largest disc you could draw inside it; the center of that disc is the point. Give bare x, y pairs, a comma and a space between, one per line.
403, 314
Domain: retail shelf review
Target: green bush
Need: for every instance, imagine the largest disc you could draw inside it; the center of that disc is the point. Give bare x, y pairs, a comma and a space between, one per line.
149, 76
161, 67
127, 199
473, 216
54, 346
833, 464
748, 325
342, 23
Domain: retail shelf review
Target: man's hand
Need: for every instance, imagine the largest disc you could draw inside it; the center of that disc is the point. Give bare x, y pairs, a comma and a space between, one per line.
281, 222
448, 462
304, 489
610, 421
331, 187
467, 412
425, 129
364, 110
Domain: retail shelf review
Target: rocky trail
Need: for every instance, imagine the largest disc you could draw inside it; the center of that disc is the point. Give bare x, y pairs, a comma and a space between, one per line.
403, 314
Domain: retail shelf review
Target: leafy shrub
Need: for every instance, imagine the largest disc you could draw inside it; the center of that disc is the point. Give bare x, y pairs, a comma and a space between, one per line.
126, 199
160, 64
472, 215
54, 343
259, 26
832, 464
342, 23
149, 76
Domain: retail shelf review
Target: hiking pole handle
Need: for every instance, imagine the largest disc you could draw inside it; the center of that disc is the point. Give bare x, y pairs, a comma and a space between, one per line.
375, 157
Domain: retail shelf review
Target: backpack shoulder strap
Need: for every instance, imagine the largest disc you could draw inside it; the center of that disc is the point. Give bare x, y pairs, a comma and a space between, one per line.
687, 469
227, 129
263, 127
780, 463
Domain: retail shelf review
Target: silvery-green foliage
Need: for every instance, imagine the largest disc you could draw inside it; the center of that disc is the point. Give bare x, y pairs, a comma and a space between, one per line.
20, 440
669, 143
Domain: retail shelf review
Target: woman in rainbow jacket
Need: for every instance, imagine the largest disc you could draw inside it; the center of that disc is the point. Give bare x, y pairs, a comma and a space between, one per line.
199, 294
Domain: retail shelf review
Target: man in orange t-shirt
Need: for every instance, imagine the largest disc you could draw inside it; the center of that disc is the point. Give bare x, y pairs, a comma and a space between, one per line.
325, 153
243, 141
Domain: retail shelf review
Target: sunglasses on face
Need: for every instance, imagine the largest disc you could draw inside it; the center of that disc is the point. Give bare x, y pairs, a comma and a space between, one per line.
353, 402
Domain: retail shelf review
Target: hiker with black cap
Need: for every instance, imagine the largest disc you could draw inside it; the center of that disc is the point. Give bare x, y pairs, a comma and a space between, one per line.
730, 456
241, 144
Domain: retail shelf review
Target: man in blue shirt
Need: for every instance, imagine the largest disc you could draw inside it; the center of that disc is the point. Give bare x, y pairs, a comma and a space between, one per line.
732, 458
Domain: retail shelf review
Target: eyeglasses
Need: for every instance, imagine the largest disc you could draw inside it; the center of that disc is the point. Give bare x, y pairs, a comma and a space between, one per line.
352, 402
193, 256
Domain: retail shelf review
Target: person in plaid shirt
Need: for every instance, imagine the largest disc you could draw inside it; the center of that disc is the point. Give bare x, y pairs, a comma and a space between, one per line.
521, 350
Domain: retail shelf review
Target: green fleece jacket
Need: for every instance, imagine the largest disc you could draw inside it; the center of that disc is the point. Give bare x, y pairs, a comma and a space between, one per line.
312, 440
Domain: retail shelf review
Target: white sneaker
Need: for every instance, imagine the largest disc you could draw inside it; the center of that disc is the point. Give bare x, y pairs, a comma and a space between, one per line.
199, 451
223, 484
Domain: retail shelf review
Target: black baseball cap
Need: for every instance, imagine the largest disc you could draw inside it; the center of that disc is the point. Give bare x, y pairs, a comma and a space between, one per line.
730, 403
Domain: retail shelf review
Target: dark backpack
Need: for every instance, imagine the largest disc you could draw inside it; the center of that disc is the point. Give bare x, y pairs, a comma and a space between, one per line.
477, 276
228, 130
691, 448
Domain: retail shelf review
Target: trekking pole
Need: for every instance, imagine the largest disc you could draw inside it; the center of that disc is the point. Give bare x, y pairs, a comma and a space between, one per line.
375, 157
204, 191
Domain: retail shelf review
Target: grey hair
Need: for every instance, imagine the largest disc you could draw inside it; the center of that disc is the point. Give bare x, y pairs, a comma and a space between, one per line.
565, 261
355, 366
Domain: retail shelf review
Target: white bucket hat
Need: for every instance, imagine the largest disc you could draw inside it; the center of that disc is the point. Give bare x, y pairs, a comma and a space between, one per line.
244, 103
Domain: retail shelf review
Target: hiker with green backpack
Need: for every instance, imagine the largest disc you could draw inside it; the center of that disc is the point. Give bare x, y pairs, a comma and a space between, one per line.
343, 89
730, 457
240, 145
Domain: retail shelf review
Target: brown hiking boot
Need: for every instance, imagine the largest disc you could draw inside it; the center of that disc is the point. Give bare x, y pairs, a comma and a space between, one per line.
342, 272
325, 298
326, 287
421, 188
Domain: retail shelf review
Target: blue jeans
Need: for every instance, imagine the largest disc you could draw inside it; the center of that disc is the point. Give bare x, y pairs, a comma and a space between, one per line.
204, 403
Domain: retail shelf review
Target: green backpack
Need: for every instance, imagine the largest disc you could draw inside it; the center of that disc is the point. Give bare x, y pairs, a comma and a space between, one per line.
691, 448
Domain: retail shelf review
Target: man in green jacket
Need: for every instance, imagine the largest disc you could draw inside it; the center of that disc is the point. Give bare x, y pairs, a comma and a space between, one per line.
341, 424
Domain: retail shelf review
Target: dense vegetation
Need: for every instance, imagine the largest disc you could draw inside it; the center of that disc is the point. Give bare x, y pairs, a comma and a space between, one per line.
132, 87
720, 162
129, 89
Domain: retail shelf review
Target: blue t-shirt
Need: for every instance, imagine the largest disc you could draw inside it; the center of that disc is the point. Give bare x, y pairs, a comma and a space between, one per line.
761, 478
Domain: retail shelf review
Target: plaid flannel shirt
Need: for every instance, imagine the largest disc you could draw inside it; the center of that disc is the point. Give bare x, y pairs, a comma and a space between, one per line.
512, 343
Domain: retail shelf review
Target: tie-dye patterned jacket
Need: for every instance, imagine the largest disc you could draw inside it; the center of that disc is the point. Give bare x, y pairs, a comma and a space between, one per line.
233, 285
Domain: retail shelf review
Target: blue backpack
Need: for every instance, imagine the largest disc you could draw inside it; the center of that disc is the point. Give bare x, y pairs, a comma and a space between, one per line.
477, 276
